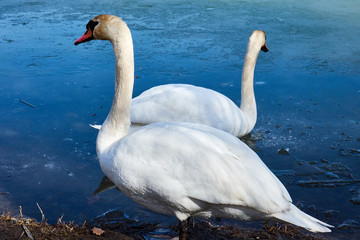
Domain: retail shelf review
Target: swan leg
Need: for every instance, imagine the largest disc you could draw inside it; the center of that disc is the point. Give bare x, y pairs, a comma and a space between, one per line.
183, 229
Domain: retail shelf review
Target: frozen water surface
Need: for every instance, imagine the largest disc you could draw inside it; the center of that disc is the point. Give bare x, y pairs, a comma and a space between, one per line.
307, 89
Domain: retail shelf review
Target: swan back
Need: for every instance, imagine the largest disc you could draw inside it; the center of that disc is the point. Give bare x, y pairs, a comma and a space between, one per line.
189, 103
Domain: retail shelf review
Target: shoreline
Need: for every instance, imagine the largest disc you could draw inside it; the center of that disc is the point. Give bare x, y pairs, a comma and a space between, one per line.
28, 228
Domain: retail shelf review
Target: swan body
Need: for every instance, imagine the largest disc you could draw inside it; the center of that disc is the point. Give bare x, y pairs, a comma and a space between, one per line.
183, 169
189, 103
199, 171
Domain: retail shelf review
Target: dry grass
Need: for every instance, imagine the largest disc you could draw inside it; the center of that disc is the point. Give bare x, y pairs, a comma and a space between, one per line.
26, 228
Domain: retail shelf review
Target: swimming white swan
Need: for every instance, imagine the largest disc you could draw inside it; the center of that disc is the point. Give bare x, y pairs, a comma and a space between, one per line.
189, 103
183, 169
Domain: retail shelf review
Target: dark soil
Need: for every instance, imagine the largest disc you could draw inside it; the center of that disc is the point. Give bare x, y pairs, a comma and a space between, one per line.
25, 228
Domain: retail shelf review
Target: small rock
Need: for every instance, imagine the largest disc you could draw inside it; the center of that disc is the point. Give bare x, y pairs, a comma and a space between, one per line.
284, 173
283, 151
343, 153
356, 196
324, 160
97, 231
338, 169
349, 224
356, 200
330, 213
306, 169
312, 208
333, 183
300, 204
332, 175
160, 233
353, 190
355, 150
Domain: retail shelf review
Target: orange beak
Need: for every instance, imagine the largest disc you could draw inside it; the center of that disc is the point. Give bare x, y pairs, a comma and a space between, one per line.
88, 36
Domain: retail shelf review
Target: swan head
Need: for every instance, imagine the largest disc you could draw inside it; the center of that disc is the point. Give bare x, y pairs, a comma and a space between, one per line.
102, 27
258, 38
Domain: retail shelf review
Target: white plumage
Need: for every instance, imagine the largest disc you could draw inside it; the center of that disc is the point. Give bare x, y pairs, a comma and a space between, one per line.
183, 169
189, 103
186, 169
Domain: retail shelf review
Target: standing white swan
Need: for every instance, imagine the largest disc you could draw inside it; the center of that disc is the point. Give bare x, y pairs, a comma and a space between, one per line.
189, 103
183, 169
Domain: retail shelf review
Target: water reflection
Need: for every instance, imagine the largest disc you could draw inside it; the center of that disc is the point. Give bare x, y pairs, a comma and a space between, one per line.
104, 185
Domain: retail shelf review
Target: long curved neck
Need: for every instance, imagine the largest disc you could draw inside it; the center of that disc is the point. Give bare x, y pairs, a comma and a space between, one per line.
117, 122
248, 103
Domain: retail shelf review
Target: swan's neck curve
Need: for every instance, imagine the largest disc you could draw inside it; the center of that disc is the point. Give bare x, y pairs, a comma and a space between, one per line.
248, 103
117, 122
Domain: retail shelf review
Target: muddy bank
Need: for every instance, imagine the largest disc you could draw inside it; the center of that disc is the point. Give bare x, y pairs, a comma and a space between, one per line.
26, 228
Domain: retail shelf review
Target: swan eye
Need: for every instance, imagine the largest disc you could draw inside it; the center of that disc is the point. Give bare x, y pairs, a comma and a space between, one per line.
91, 25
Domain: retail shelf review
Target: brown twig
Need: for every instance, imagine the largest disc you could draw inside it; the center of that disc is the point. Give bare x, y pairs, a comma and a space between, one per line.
42, 214
28, 233
59, 220
21, 215
30, 105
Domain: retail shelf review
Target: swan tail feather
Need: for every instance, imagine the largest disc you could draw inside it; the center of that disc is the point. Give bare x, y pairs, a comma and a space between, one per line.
297, 217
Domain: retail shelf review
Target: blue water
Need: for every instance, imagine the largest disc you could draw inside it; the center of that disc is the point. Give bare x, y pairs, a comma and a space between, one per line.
307, 89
